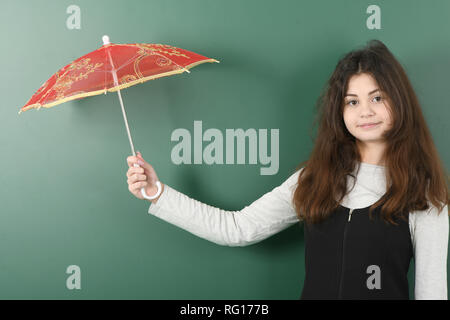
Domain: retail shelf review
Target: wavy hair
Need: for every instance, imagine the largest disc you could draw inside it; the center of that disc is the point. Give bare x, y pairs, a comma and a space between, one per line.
414, 172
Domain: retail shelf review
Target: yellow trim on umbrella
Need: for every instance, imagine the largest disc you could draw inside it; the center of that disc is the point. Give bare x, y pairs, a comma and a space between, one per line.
198, 62
113, 89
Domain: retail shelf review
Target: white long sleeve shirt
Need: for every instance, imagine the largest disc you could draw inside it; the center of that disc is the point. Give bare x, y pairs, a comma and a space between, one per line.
274, 212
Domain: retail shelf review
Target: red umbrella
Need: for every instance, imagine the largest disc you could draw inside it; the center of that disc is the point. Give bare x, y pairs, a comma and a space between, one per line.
110, 68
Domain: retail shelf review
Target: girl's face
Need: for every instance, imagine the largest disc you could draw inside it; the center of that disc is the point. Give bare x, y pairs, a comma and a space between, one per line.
366, 110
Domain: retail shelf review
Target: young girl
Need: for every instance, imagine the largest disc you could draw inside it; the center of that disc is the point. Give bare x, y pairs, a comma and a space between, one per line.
372, 195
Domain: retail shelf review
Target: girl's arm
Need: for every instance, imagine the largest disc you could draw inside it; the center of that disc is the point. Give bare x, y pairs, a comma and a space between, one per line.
430, 253
271, 213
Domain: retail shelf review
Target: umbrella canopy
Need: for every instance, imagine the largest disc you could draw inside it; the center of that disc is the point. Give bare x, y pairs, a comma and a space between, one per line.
92, 74
111, 68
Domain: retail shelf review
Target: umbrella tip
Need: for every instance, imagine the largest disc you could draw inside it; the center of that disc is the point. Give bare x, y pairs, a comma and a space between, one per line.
105, 39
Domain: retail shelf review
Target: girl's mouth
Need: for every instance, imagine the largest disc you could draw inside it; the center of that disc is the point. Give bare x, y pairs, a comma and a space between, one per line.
368, 126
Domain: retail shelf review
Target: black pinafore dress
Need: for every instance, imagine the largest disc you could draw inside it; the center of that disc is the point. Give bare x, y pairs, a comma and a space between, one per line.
350, 256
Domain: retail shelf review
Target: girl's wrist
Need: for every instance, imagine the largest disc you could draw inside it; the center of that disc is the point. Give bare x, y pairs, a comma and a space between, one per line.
153, 192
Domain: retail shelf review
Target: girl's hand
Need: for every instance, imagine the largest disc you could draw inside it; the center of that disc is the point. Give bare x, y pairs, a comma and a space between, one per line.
144, 176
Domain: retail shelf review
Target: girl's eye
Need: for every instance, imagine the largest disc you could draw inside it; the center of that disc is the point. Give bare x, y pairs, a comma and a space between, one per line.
350, 102
378, 97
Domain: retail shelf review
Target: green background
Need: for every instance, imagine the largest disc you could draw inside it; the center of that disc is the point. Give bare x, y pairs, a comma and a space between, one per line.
64, 195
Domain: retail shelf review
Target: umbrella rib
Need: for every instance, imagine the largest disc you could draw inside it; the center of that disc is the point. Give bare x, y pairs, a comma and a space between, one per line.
127, 62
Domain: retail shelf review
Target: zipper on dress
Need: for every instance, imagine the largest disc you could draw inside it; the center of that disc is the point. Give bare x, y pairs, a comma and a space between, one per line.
343, 253
350, 215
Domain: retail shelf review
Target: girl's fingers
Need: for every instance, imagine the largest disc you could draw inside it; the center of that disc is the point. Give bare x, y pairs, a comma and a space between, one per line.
132, 160
134, 170
137, 177
138, 185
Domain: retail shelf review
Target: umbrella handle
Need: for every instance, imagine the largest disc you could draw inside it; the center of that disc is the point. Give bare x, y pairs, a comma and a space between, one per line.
158, 185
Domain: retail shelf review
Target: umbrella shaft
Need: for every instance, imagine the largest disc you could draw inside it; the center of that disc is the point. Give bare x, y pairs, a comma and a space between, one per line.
126, 123
116, 83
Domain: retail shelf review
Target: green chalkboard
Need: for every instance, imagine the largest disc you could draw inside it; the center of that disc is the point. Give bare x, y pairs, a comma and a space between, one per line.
63, 190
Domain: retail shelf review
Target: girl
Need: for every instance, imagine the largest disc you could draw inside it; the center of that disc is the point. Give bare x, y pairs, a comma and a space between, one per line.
372, 195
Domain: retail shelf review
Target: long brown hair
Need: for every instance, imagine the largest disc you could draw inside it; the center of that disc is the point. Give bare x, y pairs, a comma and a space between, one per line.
414, 172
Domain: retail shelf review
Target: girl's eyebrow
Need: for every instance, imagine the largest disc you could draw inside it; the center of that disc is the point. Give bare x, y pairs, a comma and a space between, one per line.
350, 94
